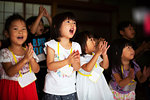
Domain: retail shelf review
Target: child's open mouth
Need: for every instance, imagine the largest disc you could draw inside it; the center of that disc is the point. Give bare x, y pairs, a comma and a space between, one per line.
41, 30
71, 31
20, 37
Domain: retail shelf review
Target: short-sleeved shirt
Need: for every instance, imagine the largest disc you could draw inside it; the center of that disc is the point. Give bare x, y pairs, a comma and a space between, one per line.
6, 56
55, 82
114, 84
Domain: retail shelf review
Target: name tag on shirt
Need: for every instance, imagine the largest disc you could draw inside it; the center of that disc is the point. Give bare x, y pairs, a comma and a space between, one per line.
26, 79
41, 57
95, 74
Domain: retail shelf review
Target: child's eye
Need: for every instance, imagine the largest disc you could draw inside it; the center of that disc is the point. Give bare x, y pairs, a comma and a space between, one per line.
68, 21
15, 28
74, 23
129, 47
24, 29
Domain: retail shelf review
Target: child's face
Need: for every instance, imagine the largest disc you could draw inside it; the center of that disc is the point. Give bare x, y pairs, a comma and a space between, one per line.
90, 45
128, 53
40, 29
17, 32
68, 28
128, 33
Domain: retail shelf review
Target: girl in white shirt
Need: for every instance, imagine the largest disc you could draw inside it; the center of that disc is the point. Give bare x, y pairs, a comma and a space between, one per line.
91, 83
63, 59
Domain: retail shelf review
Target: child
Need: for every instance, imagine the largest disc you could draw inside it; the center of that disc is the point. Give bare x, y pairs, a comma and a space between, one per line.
91, 83
19, 64
36, 29
124, 70
63, 59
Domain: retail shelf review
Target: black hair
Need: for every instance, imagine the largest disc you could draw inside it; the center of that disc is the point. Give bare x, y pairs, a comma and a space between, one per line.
57, 22
31, 20
82, 37
122, 25
12, 18
115, 53
8, 23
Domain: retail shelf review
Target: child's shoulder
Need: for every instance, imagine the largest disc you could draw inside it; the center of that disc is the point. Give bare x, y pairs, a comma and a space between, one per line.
51, 42
4, 50
5, 54
75, 44
136, 65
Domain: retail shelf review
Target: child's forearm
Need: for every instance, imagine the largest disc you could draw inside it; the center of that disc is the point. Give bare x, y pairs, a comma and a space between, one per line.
76, 66
105, 64
124, 82
53, 66
36, 23
11, 70
35, 66
49, 20
89, 66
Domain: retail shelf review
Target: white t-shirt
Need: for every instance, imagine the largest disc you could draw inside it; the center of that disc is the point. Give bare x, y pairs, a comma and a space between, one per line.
55, 82
6, 56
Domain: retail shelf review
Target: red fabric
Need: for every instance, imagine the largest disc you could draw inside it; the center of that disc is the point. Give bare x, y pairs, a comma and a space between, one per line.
147, 24
11, 90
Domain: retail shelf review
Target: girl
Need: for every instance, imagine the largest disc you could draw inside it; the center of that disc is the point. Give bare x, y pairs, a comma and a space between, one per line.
124, 70
63, 59
19, 64
91, 83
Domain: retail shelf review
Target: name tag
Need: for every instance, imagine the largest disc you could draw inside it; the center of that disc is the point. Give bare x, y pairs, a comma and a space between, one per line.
95, 74
26, 79
41, 57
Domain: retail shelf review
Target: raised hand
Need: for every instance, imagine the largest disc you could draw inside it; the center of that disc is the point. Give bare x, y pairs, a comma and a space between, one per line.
41, 10
99, 48
46, 14
105, 48
146, 72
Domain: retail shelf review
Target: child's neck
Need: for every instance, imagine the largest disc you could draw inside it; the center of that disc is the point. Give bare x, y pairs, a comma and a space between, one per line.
126, 38
90, 53
126, 64
17, 50
66, 43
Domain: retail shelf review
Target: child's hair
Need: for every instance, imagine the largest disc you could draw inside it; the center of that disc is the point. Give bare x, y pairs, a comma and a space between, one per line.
12, 18
115, 53
57, 22
82, 37
9, 21
31, 20
122, 25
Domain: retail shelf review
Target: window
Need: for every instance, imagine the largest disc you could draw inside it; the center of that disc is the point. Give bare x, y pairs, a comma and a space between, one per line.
8, 8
